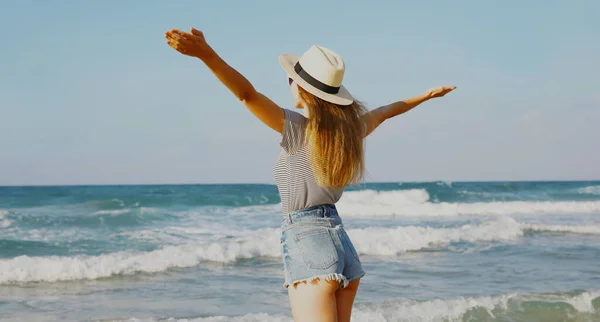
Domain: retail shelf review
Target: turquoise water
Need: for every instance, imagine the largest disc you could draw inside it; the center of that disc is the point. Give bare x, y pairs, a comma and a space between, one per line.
437, 251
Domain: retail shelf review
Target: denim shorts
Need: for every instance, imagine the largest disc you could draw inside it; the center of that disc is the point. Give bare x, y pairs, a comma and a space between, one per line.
315, 245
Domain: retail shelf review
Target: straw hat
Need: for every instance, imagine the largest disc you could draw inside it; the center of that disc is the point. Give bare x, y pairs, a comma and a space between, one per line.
319, 71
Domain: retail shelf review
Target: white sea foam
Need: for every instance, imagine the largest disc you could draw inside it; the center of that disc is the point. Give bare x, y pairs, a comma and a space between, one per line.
377, 241
590, 229
582, 302
119, 201
4, 222
256, 210
113, 212
53, 268
417, 202
591, 190
371, 203
49, 235
454, 309
488, 194
174, 235
393, 241
117, 212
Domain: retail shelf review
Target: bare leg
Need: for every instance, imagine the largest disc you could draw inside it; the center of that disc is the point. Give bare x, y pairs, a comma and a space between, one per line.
314, 301
344, 299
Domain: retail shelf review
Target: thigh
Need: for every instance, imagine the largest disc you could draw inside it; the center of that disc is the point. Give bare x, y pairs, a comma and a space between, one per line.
345, 299
314, 301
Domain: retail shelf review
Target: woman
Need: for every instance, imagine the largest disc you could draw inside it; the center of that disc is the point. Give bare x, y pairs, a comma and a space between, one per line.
322, 152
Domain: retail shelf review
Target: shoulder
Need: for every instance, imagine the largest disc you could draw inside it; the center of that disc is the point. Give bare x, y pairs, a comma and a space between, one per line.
294, 117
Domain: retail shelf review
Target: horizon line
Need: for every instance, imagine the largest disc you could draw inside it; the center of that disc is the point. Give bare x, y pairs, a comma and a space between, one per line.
272, 184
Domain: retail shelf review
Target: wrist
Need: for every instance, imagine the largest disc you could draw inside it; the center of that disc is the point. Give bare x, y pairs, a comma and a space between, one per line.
208, 55
427, 96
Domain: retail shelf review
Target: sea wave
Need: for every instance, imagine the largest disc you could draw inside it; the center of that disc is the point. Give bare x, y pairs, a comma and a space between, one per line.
590, 190
588, 229
368, 203
416, 202
55, 268
527, 307
4, 222
393, 241
581, 306
117, 212
373, 241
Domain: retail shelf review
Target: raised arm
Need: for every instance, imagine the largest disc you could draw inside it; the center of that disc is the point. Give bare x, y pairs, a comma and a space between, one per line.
194, 44
375, 117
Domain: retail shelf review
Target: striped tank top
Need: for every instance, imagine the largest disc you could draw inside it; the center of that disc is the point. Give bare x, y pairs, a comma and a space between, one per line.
298, 188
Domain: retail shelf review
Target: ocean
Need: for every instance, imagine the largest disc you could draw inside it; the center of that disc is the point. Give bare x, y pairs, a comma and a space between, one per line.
432, 251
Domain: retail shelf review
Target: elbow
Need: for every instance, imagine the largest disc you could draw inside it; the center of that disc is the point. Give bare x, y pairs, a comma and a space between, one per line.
383, 115
247, 95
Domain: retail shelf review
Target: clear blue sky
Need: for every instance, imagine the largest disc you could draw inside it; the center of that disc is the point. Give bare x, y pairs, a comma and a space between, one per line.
91, 94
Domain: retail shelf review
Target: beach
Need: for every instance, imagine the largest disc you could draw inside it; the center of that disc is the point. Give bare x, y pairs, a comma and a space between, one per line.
432, 251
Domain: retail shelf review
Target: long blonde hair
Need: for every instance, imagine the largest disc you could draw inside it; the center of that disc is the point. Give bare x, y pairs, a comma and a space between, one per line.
336, 135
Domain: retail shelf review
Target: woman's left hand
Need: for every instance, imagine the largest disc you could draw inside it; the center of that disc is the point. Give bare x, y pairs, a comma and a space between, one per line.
190, 43
440, 91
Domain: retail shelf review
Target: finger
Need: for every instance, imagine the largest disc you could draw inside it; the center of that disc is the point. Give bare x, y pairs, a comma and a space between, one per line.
173, 35
175, 44
179, 40
447, 89
183, 34
196, 32
178, 47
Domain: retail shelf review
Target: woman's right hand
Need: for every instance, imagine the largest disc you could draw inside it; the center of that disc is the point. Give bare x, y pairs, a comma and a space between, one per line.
190, 43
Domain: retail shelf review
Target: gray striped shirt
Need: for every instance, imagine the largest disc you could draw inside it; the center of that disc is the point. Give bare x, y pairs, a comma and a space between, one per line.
293, 173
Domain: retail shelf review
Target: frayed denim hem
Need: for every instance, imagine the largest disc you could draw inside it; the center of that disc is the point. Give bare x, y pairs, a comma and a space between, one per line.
327, 277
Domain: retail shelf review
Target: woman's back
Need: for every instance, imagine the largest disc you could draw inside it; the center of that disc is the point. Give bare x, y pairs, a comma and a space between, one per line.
293, 172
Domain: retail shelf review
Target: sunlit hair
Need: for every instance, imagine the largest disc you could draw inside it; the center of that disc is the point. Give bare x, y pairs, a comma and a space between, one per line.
336, 136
